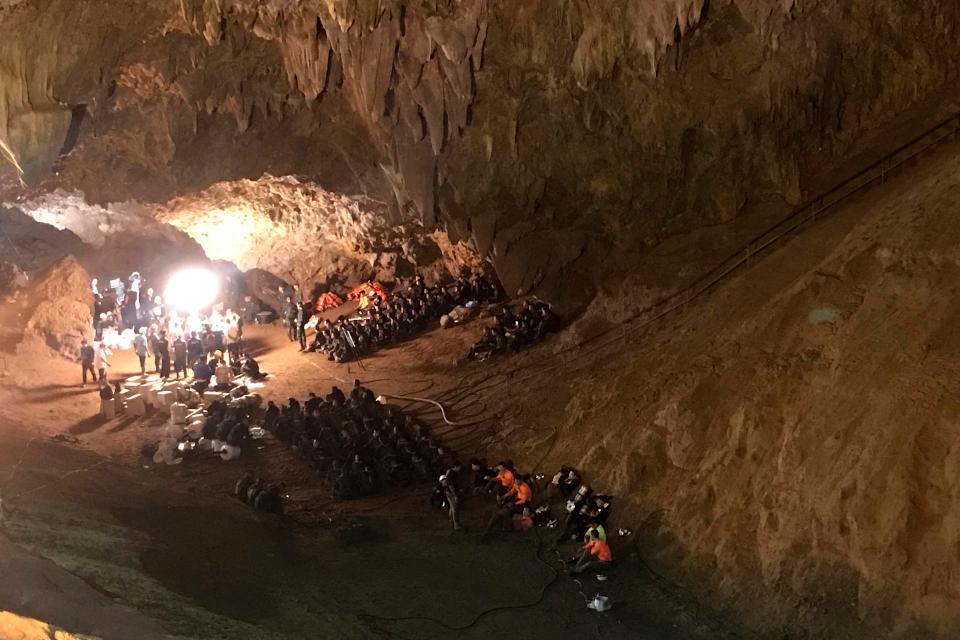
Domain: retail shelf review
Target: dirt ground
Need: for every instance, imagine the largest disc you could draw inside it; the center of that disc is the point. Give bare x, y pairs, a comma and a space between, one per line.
752, 475
170, 542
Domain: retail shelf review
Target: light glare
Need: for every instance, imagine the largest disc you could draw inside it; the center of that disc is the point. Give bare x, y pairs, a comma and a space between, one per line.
191, 290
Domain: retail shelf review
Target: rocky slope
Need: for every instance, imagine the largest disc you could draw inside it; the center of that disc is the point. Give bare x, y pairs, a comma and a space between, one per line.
560, 137
790, 440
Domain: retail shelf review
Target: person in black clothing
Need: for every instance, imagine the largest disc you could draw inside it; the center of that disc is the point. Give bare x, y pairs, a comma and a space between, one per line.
180, 357
153, 339
305, 311
201, 375
163, 351
290, 318
86, 361
194, 348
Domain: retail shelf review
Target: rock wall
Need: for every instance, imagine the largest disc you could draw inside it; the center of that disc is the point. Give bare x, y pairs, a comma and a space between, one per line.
304, 234
57, 310
791, 439
562, 138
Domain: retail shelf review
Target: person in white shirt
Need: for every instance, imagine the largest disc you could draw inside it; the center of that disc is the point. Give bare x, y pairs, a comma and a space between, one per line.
100, 361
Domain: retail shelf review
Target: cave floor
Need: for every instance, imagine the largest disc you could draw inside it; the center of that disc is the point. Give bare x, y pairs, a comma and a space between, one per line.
172, 544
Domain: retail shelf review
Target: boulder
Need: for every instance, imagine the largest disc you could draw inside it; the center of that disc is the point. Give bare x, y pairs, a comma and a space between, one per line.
59, 309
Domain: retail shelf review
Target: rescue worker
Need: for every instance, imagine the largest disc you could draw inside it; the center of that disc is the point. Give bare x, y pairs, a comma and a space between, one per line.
517, 498
502, 481
596, 554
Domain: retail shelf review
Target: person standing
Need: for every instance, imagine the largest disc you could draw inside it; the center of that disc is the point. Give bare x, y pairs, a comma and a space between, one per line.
163, 352
194, 348
152, 340
140, 348
100, 361
453, 500
290, 317
305, 310
87, 355
180, 357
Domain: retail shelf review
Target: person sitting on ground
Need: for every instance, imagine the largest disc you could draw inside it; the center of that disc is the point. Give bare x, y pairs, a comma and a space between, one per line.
106, 400
271, 416
224, 377
201, 375
596, 554
251, 368
482, 474
502, 481
243, 484
563, 484
517, 498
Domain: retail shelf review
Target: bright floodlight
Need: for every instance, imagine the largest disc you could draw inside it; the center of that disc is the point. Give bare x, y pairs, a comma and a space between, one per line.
190, 290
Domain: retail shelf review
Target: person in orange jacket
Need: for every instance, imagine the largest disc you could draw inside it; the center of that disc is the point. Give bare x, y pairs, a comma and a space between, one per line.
518, 496
503, 481
596, 554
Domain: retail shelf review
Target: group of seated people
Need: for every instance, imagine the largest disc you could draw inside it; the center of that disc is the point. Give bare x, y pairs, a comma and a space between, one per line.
259, 494
585, 511
228, 421
512, 332
357, 445
400, 317
214, 373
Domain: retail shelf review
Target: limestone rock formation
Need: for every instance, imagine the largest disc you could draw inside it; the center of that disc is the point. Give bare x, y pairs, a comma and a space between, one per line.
58, 309
793, 436
560, 137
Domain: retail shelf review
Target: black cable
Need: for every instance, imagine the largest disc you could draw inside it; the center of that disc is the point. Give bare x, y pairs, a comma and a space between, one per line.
482, 614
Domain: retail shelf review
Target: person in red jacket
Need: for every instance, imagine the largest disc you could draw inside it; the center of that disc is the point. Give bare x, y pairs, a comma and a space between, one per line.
596, 554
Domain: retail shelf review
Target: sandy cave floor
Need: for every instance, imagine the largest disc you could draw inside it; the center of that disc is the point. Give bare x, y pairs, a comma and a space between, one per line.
171, 542
103, 541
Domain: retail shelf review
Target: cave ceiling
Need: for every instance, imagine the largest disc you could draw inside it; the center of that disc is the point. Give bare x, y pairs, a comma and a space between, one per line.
559, 139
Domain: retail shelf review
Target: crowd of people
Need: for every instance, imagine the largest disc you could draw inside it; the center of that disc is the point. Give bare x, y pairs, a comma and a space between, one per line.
512, 332
399, 317
356, 444
585, 511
